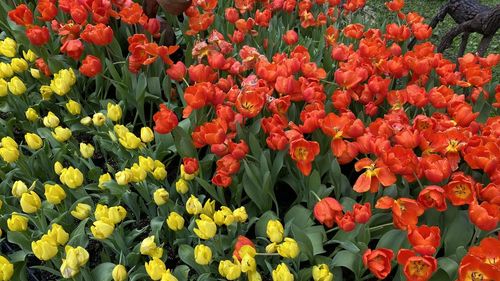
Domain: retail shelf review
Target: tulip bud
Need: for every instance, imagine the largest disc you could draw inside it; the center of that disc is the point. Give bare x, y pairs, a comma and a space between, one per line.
240, 214
130, 141
289, 248
248, 263
209, 207
114, 112
116, 214
175, 221
193, 206
104, 178
85, 121
224, 216
6, 70
229, 270
71, 177
147, 134
58, 235
44, 249
119, 273
51, 120
160, 196
31, 114
98, 119
30, 56
73, 107
58, 167
168, 276
181, 186
33, 140
67, 271
282, 273
147, 163
19, 188
102, 229
4, 87
155, 268
35, 73
206, 228
61, 134
275, 231
202, 254
54, 193
9, 150
149, 247
30, 202
46, 92
87, 150
76, 257
138, 173
17, 222
19, 65
7, 268
160, 173
81, 211
16, 86
123, 177
321, 273
8, 47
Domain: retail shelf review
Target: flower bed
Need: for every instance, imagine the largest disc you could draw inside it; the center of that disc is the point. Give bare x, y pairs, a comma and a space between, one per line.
242, 140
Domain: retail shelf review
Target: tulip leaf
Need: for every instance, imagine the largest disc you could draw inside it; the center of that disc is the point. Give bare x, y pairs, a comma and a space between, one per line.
348, 260
181, 272
19, 239
459, 232
78, 236
103, 271
186, 254
393, 239
449, 266
261, 225
299, 216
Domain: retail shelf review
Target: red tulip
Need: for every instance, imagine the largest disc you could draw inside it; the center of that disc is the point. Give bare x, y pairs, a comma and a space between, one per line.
165, 120
378, 261
91, 66
326, 210
37, 35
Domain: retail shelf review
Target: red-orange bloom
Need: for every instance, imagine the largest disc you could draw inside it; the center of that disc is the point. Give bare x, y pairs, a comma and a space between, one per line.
378, 261
416, 268
250, 102
47, 10
395, 5
91, 66
362, 213
37, 35
200, 22
177, 71
424, 239
421, 31
346, 221
326, 211
460, 190
405, 211
73, 49
485, 216
210, 133
240, 242
435, 168
473, 268
165, 120
21, 15
432, 196
354, 31
99, 34
133, 14
376, 173
303, 153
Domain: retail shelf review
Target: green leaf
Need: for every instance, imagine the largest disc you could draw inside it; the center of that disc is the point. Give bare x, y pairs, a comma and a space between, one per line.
458, 233
103, 271
348, 260
303, 240
20, 239
261, 225
449, 266
299, 216
181, 272
186, 254
78, 236
393, 239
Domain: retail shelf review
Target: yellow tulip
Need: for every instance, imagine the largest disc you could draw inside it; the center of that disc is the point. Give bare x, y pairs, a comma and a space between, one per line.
149, 247
322, 273
104, 178
193, 205
30, 56
282, 273
98, 119
71, 177
81, 211
86, 121
160, 196
254, 276
224, 216
168, 276
248, 264
202, 254
175, 221
6, 70
114, 112
19, 65
19, 188
147, 163
208, 207
8, 47
30, 202
155, 268
230, 270
275, 231
206, 227
138, 173
119, 273
185, 175
130, 141
35, 73
4, 88
289, 248
102, 229
87, 150
6, 269
33, 140
58, 234
58, 167
120, 130
51, 120
44, 249
73, 107
54, 193
147, 134
61, 134
123, 177
160, 173
240, 214
16, 86
76, 257
9, 150
17, 222
116, 214
31, 114
67, 271
46, 92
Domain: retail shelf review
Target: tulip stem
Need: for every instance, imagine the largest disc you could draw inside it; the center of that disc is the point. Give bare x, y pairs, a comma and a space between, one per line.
267, 254
379, 226
418, 180
316, 195
333, 229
